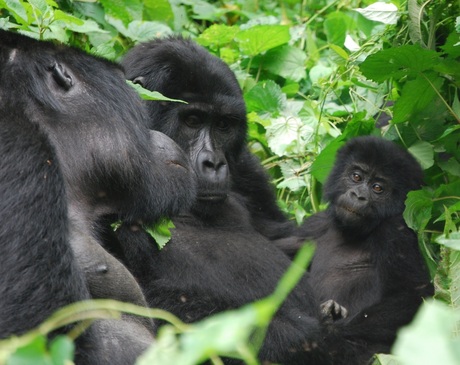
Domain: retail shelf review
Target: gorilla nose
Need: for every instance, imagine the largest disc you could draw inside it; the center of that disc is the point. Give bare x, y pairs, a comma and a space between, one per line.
212, 166
168, 151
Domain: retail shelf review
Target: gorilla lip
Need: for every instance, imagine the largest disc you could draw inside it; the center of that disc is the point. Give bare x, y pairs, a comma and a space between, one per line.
176, 163
215, 198
351, 211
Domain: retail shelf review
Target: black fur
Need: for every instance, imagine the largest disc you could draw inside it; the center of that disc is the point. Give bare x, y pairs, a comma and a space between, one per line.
75, 149
367, 259
220, 256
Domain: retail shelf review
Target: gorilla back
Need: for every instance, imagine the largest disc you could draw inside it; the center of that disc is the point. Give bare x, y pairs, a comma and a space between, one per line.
74, 149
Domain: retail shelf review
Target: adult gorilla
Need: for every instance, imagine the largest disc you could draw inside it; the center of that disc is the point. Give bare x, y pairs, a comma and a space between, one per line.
74, 149
220, 256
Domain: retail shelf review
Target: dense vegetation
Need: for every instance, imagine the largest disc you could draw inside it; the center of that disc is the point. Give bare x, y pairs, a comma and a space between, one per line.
314, 74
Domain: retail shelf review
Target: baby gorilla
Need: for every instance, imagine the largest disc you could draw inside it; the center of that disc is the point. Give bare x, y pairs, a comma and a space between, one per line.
367, 259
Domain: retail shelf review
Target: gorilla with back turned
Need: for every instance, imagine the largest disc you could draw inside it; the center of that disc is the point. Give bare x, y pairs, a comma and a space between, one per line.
220, 256
367, 260
75, 148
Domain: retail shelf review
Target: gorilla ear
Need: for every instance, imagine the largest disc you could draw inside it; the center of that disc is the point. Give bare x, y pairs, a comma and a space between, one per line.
140, 80
62, 78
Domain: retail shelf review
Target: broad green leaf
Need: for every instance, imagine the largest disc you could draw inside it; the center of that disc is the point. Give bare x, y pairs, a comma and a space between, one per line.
261, 38
160, 232
386, 13
452, 166
217, 35
40, 6
419, 205
159, 10
265, 97
78, 25
416, 95
62, 350
124, 10
141, 31
395, 63
453, 241
287, 62
151, 95
320, 72
288, 134
323, 163
340, 51
385, 359
34, 353
335, 27
424, 153
428, 339
16, 9
415, 21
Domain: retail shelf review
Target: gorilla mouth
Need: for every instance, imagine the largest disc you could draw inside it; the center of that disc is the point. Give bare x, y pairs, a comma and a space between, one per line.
176, 163
212, 198
352, 211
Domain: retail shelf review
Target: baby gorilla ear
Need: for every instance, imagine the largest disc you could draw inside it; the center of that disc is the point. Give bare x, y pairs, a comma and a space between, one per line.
61, 76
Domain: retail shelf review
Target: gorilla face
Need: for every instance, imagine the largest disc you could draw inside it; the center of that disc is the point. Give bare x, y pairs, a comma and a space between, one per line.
211, 127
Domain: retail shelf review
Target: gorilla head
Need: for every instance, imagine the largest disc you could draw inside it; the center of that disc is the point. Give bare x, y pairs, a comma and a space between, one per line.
369, 182
211, 127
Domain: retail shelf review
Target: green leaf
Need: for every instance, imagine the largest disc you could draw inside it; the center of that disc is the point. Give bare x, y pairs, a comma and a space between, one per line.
265, 97
395, 63
124, 10
261, 38
415, 21
286, 61
428, 340
160, 232
385, 359
386, 13
159, 10
34, 353
416, 95
62, 350
17, 9
151, 95
453, 241
217, 35
424, 153
335, 27
340, 51
419, 205
323, 163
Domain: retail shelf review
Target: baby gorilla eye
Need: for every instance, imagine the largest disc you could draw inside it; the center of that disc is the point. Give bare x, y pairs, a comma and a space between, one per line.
377, 188
356, 177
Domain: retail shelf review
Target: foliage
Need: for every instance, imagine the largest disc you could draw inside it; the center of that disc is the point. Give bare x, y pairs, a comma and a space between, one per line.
314, 74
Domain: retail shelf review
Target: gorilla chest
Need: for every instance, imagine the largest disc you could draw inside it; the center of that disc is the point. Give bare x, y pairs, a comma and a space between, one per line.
344, 272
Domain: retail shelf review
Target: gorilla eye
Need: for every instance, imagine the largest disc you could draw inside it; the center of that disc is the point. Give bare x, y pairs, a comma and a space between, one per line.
377, 188
356, 177
193, 121
222, 124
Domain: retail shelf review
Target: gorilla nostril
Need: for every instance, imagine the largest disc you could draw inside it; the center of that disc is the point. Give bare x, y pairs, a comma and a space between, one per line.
208, 164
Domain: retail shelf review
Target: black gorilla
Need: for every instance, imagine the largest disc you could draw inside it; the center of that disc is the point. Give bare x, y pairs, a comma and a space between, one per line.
75, 148
220, 256
367, 259
215, 117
